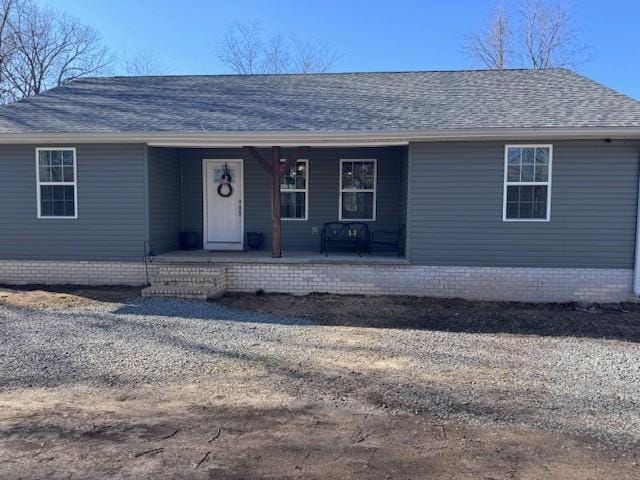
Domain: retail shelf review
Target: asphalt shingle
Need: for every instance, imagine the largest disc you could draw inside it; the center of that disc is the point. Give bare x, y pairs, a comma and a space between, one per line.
343, 102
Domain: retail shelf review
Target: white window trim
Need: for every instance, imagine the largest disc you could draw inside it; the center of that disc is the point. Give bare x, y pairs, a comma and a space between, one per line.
374, 190
506, 183
74, 183
299, 190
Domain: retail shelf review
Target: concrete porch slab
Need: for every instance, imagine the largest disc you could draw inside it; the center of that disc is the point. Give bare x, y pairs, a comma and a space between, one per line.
290, 257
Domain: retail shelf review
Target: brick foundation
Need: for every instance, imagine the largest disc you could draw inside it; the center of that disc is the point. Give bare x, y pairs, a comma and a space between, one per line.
22, 272
476, 283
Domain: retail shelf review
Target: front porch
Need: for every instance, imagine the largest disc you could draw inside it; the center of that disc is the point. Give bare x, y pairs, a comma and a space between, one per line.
287, 205
204, 275
218, 198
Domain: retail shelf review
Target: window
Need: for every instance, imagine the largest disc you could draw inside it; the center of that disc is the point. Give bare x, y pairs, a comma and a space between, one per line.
527, 183
357, 189
294, 188
56, 175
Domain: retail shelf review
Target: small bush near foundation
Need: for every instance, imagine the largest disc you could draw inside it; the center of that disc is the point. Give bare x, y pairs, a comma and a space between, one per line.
260, 292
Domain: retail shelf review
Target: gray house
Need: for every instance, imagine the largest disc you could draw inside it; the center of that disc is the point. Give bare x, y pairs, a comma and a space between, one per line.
513, 185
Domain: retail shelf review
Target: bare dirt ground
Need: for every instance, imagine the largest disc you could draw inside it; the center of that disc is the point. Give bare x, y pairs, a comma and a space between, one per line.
238, 430
452, 315
245, 422
38, 296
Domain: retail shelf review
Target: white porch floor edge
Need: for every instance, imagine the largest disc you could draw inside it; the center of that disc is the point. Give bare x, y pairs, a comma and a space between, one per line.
288, 257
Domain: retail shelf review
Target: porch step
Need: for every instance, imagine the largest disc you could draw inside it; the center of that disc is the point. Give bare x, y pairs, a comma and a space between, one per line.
181, 291
184, 281
168, 277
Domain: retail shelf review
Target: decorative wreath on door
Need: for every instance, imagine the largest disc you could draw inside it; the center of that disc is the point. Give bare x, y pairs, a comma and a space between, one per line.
225, 189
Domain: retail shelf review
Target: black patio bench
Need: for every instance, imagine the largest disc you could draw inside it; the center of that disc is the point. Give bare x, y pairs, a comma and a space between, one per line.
340, 235
384, 239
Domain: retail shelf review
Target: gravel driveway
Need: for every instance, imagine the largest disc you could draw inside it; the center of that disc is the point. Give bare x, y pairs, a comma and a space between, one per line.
583, 386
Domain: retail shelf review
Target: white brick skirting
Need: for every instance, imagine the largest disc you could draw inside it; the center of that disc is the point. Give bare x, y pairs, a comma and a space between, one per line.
477, 283
23, 272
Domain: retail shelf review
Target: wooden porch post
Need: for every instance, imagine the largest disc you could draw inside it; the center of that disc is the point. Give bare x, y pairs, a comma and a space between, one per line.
276, 170
276, 175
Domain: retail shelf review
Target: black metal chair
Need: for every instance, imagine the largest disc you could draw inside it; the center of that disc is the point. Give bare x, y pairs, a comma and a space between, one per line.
389, 239
342, 235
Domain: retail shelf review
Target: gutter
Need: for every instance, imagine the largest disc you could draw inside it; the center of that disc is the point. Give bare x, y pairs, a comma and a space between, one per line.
320, 139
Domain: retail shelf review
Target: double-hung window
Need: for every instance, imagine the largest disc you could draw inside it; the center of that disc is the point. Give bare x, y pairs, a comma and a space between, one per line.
527, 183
357, 190
56, 188
294, 192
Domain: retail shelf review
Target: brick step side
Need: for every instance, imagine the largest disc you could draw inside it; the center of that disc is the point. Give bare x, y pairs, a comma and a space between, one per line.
181, 291
192, 272
181, 281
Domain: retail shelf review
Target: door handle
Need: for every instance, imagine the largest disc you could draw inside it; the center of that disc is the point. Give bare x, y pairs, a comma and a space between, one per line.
239, 208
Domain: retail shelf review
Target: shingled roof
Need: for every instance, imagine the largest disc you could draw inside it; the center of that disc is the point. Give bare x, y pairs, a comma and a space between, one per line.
342, 102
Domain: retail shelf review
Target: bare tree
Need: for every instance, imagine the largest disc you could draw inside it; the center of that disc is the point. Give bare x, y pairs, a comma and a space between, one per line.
544, 38
276, 57
143, 62
48, 49
242, 48
311, 56
492, 46
8, 9
548, 37
245, 50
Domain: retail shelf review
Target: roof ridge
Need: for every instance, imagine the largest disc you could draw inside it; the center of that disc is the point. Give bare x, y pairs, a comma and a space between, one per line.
371, 72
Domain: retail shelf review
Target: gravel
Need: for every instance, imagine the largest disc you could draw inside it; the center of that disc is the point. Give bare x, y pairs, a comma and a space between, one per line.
583, 386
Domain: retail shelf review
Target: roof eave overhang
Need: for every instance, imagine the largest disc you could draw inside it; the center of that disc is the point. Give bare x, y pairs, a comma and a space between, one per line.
321, 139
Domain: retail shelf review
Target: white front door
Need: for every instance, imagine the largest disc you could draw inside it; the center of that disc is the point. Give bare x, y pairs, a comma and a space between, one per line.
223, 209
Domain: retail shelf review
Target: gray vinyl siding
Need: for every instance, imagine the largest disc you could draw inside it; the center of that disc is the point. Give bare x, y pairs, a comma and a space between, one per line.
165, 203
455, 211
111, 206
324, 175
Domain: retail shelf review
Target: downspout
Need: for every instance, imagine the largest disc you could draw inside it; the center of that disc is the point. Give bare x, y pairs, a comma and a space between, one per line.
636, 268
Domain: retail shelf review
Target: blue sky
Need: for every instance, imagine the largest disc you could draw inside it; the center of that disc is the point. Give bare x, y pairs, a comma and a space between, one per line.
367, 35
